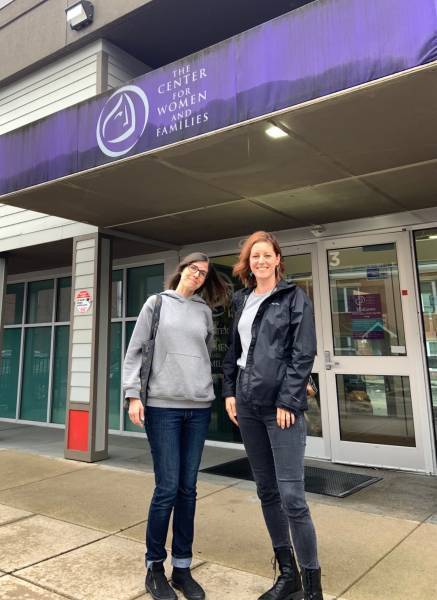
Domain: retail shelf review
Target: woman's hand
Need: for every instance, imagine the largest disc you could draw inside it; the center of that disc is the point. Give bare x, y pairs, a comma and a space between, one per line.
136, 411
231, 409
284, 418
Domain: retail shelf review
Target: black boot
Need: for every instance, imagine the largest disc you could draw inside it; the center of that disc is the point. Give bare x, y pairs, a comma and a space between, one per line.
288, 586
183, 581
312, 584
157, 584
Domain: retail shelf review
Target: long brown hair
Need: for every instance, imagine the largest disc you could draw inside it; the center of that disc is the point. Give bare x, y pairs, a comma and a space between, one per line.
242, 267
214, 290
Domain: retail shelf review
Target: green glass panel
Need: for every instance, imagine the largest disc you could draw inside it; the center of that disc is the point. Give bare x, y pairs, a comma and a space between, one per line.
117, 294
40, 301
63, 303
60, 374
128, 425
9, 366
14, 304
142, 282
36, 374
221, 428
115, 376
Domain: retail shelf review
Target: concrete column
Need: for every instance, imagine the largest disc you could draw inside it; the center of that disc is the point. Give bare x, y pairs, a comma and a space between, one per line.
3, 275
86, 436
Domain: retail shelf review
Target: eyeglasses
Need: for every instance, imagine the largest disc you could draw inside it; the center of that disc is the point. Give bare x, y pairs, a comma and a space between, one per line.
196, 271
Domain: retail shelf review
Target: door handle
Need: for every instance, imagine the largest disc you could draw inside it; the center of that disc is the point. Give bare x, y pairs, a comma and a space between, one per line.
329, 363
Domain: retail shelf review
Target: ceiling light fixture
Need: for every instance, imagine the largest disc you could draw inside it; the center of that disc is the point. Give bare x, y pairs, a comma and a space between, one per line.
80, 14
276, 132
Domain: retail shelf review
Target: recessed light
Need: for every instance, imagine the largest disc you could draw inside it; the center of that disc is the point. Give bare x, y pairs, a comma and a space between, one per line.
276, 132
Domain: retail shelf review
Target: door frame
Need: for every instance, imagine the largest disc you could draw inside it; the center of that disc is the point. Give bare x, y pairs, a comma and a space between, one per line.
416, 458
317, 447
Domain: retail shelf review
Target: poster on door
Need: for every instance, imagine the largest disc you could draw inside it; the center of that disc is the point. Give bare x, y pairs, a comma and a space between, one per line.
366, 314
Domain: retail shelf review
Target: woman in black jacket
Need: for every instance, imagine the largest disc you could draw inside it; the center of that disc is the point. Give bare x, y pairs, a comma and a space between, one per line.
266, 369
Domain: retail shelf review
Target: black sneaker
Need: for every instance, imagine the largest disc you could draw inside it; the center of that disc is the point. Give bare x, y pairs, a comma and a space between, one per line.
157, 584
183, 581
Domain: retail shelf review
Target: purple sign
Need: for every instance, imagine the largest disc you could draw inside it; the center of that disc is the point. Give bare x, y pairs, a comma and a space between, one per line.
319, 49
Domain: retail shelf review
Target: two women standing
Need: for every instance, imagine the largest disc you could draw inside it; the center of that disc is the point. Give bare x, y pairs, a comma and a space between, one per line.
266, 370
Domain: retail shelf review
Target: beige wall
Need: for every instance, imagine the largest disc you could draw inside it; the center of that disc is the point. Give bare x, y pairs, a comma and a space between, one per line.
33, 30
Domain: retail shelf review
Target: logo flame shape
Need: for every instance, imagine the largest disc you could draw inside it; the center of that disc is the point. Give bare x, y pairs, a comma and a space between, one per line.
128, 107
134, 117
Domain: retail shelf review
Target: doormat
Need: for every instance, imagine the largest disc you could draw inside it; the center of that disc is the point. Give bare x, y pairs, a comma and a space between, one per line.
318, 480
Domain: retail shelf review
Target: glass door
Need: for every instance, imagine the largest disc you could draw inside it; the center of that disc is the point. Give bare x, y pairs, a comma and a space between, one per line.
301, 268
372, 356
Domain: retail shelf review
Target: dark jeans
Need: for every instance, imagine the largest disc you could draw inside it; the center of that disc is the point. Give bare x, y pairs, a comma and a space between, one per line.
176, 438
277, 459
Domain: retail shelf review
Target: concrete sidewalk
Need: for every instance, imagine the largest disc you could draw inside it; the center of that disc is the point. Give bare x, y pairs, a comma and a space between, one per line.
72, 530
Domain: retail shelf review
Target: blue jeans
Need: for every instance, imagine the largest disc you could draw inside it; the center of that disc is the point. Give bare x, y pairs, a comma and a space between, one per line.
276, 457
176, 437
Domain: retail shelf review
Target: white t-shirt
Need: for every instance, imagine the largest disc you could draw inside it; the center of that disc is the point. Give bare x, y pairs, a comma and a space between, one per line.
245, 323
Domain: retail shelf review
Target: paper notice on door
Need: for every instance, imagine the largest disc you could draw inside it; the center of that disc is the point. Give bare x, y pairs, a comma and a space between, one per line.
398, 349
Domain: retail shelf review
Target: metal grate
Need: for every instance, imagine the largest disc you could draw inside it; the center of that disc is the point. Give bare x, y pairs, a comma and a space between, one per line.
318, 480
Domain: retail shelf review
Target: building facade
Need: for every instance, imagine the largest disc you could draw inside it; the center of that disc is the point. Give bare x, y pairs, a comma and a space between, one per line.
120, 153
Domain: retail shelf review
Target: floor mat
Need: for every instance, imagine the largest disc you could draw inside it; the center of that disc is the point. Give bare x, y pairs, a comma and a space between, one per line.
318, 480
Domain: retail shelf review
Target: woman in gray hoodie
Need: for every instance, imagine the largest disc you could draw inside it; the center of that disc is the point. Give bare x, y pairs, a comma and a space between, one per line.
179, 397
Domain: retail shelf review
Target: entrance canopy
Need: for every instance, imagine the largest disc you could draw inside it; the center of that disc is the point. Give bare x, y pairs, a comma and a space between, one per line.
181, 155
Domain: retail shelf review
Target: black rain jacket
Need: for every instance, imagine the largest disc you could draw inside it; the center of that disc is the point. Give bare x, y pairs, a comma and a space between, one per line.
281, 353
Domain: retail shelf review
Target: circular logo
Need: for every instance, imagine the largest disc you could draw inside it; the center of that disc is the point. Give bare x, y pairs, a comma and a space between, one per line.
122, 121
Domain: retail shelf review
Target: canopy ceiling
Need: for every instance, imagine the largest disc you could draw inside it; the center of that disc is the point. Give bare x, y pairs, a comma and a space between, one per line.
365, 152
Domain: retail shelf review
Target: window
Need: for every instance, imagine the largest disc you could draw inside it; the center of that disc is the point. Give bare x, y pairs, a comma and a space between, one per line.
41, 343
40, 301
9, 369
14, 304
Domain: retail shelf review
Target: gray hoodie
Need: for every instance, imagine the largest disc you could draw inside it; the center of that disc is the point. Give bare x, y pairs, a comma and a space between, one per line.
181, 369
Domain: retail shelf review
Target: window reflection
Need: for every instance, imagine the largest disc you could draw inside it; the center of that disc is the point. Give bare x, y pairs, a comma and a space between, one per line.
40, 301
375, 409
298, 269
366, 302
426, 251
117, 294
14, 304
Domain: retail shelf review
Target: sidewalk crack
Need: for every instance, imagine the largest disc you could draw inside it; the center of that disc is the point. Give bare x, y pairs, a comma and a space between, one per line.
43, 587
17, 519
15, 487
64, 552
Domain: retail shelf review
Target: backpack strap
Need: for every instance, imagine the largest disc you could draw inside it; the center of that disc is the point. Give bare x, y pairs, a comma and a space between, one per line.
155, 317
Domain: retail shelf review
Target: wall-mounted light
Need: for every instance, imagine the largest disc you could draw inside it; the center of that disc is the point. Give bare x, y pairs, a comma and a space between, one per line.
80, 14
276, 132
